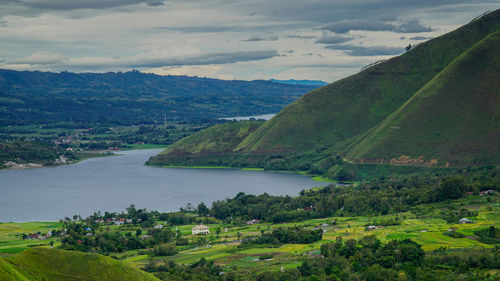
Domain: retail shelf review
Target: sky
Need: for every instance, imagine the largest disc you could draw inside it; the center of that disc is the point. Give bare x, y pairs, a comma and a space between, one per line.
249, 39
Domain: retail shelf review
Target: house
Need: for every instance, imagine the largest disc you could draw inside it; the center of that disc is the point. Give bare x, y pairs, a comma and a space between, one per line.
158, 226
487, 192
252, 221
371, 227
200, 229
464, 221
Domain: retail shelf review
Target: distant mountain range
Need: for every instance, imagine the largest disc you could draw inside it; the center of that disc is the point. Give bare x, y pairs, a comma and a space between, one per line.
436, 105
130, 98
300, 82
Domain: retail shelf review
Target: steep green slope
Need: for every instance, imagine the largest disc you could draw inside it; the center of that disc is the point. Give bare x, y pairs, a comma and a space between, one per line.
454, 119
199, 148
9, 273
60, 265
313, 132
348, 107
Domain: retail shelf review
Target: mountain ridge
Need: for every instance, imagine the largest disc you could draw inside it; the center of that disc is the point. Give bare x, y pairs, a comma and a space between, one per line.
314, 132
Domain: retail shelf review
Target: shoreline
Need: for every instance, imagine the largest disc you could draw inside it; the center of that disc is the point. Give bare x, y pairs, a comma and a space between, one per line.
317, 178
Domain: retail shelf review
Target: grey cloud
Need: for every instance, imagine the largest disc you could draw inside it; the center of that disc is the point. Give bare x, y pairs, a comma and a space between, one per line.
333, 39
155, 3
359, 51
233, 28
412, 26
420, 38
41, 58
3, 23
344, 26
80, 4
301, 36
257, 39
145, 60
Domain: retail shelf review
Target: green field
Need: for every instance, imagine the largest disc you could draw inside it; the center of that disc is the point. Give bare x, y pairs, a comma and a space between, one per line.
11, 241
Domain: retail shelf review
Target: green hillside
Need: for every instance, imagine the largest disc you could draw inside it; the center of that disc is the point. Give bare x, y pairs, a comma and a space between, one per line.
379, 114
58, 265
213, 146
351, 106
454, 119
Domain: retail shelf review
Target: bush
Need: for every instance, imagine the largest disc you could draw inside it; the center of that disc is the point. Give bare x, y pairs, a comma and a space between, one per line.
168, 249
454, 234
265, 257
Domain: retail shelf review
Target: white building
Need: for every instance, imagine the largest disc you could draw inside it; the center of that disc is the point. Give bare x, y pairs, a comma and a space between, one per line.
200, 229
464, 221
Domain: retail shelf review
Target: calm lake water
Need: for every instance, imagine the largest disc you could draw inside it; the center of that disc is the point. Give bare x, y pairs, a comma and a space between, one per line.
256, 117
113, 183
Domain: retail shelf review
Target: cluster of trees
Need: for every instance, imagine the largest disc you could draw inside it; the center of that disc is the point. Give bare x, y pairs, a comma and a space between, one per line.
198, 271
40, 152
286, 236
80, 237
489, 235
379, 197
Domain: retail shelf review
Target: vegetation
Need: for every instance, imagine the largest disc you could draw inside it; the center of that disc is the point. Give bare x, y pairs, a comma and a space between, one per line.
376, 115
37, 152
133, 98
451, 135
53, 264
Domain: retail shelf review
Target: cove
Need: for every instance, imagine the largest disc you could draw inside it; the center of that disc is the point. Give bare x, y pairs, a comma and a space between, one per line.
113, 183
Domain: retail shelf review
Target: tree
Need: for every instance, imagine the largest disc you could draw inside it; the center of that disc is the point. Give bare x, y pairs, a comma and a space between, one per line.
452, 188
202, 209
217, 231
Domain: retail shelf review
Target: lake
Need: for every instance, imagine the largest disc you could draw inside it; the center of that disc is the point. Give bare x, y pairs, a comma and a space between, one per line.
256, 117
113, 183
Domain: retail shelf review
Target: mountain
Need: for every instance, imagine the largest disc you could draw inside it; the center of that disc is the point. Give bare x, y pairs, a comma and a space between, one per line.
453, 120
133, 97
60, 265
316, 132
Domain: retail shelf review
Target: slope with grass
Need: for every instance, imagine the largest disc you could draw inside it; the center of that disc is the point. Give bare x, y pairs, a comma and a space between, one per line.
351, 106
199, 149
453, 120
313, 132
60, 265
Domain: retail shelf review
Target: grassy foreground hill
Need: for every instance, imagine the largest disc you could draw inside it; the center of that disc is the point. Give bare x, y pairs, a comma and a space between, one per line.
314, 132
59, 265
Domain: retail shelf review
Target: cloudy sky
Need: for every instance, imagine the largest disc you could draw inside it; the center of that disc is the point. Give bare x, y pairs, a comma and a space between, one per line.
227, 39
